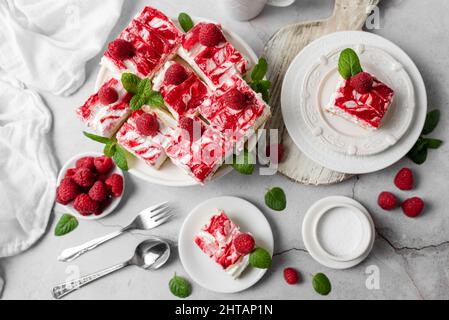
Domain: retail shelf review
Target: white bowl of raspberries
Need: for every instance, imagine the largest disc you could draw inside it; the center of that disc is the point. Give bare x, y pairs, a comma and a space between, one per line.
90, 186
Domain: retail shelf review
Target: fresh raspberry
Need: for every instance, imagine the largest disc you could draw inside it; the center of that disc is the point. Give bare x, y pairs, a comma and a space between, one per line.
67, 191
84, 177
362, 82
244, 243
280, 150
99, 191
291, 276
234, 99
412, 207
107, 95
190, 128
121, 49
176, 74
115, 185
70, 172
85, 162
147, 124
85, 205
102, 206
103, 164
404, 179
387, 200
58, 198
210, 35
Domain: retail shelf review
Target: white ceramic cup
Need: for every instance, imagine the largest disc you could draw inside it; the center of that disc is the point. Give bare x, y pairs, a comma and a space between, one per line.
247, 9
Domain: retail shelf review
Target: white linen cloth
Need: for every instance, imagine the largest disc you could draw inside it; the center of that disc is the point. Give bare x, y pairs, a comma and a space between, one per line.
44, 45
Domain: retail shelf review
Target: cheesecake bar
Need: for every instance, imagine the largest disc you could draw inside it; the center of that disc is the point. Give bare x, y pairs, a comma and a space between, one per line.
104, 118
142, 145
213, 57
144, 46
199, 151
364, 109
235, 110
216, 239
181, 88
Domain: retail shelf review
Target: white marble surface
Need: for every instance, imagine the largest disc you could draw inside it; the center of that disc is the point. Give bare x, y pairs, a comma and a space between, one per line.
411, 255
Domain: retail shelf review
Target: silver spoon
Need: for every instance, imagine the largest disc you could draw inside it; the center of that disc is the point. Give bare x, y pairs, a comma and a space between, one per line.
149, 254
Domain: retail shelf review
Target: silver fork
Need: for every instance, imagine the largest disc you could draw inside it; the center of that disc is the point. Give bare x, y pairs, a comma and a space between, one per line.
147, 219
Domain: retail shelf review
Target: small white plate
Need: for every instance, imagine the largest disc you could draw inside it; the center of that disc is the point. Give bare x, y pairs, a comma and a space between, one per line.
312, 243
202, 269
169, 174
69, 207
336, 143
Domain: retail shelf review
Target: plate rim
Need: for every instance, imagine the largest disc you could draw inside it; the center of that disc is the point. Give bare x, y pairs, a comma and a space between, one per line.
261, 273
252, 57
358, 164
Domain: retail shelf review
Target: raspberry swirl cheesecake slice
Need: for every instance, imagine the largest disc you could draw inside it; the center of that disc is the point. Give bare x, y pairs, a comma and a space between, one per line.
235, 110
105, 111
216, 239
139, 134
144, 46
196, 148
213, 57
181, 88
360, 97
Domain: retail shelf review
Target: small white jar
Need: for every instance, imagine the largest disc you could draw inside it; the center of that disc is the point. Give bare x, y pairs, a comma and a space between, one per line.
338, 232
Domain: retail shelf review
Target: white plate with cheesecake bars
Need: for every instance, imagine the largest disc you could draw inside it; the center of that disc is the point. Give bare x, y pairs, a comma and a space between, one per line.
204, 270
169, 174
337, 143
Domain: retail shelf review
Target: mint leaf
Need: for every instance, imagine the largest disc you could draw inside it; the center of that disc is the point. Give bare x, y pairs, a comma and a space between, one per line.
67, 223
155, 100
119, 158
259, 70
97, 138
130, 82
144, 87
185, 21
180, 287
418, 154
260, 258
433, 143
109, 149
244, 163
262, 87
137, 102
275, 199
321, 284
349, 64
432, 119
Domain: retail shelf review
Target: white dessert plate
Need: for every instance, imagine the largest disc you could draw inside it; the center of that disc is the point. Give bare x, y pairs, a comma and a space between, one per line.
339, 144
168, 174
312, 243
69, 207
202, 269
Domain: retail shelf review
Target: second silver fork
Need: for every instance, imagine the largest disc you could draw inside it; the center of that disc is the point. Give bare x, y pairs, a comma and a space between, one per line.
147, 219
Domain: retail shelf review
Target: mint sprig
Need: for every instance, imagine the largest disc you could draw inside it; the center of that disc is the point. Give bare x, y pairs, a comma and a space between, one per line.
111, 150
185, 21
258, 83
180, 287
349, 64
142, 91
260, 258
244, 163
66, 224
275, 199
418, 154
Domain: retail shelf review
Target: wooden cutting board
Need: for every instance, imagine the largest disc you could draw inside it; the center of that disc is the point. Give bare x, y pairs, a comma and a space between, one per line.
280, 50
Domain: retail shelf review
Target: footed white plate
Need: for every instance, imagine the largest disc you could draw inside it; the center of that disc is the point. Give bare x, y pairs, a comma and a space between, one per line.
202, 269
336, 143
168, 174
